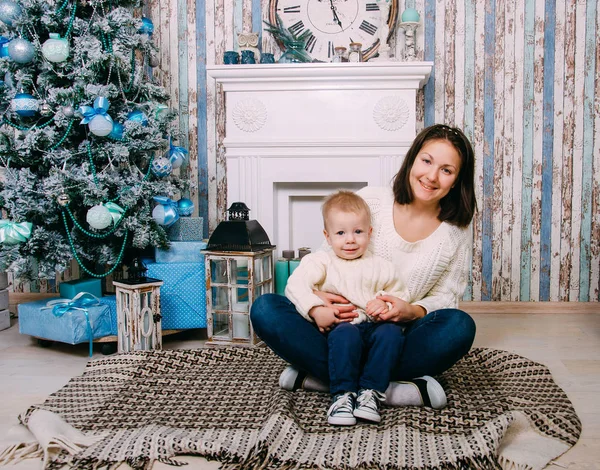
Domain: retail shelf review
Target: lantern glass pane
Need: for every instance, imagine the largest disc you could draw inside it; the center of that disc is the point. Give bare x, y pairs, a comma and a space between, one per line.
266, 267
221, 324
258, 291
258, 275
239, 271
220, 299
218, 271
240, 300
241, 326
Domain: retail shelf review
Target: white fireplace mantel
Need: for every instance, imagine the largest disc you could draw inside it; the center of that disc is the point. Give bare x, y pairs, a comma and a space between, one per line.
296, 132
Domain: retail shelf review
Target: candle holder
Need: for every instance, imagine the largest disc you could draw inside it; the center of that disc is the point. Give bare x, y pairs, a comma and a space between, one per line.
410, 30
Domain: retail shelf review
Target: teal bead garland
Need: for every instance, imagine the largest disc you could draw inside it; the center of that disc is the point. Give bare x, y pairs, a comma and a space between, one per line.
91, 273
25, 128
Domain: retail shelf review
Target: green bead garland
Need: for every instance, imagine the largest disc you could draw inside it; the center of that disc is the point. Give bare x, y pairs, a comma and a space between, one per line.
24, 128
91, 273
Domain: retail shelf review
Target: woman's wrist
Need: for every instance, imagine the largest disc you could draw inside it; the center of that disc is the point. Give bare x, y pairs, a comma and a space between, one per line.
418, 311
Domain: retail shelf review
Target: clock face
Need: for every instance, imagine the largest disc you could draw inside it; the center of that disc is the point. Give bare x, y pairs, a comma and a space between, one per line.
334, 23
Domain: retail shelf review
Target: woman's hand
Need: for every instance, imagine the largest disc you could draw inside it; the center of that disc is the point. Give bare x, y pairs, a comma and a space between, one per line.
401, 311
345, 310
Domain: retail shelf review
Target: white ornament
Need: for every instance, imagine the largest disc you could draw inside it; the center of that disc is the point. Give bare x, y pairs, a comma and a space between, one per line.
99, 217
56, 49
391, 113
100, 126
250, 115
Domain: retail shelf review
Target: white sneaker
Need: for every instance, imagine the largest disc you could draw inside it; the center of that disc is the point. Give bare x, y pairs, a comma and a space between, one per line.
340, 412
432, 392
289, 378
367, 405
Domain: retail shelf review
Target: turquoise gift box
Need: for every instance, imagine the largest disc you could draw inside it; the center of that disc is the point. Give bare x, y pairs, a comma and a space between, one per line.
183, 294
181, 252
70, 289
71, 328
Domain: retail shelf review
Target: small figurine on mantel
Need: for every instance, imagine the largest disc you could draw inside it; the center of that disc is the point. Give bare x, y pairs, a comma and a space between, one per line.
410, 21
249, 42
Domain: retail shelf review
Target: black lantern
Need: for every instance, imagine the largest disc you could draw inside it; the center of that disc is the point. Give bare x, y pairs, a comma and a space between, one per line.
238, 233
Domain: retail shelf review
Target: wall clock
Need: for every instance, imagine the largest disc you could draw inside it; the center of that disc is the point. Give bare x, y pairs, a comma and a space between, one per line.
333, 23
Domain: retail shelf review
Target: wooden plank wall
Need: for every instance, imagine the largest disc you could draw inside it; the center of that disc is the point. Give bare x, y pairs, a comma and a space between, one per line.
521, 77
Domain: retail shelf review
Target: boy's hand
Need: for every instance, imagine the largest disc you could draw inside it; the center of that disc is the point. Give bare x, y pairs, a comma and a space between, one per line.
324, 317
376, 307
345, 311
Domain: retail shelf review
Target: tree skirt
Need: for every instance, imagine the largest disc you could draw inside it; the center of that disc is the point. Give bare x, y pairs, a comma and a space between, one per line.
504, 412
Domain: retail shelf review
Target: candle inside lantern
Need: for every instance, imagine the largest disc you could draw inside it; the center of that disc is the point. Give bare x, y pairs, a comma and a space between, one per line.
410, 15
241, 326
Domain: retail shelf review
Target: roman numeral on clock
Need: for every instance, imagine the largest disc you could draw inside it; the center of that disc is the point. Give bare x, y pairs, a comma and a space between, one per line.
310, 44
296, 28
330, 49
294, 9
371, 7
368, 27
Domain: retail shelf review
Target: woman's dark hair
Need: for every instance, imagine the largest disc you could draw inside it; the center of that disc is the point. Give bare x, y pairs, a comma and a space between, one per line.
459, 205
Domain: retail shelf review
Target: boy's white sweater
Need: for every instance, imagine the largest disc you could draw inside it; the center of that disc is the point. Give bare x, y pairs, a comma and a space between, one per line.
359, 280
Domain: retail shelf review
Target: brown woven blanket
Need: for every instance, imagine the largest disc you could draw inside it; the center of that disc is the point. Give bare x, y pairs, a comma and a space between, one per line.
504, 411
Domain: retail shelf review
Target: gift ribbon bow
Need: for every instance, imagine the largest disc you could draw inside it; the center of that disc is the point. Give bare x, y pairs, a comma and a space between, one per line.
116, 212
81, 302
100, 108
12, 233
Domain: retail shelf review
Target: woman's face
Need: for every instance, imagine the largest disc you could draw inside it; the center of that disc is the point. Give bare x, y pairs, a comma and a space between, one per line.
434, 171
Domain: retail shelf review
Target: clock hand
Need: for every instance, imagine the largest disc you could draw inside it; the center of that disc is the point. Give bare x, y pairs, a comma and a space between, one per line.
335, 16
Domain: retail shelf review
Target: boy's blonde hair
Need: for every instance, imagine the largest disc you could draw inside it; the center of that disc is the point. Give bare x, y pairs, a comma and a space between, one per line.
344, 201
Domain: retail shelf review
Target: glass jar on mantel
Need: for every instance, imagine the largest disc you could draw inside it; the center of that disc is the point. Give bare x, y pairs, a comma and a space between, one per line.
295, 53
233, 281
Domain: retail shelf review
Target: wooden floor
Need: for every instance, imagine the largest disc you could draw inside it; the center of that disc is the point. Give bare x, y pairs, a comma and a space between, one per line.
568, 343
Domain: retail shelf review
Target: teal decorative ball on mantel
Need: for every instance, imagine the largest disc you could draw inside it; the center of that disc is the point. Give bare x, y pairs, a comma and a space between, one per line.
410, 15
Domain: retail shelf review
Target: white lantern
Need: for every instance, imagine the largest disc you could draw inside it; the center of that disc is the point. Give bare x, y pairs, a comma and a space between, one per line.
138, 315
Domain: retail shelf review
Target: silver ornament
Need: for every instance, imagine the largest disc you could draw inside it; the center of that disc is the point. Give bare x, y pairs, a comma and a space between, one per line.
21, 51
68, 111
9, 11
63, 200
154, 60
45, 110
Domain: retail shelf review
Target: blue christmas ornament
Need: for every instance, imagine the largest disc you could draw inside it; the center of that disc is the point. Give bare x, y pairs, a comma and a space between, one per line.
25, 105
97, 118
176, 155
161, 167
147, 26
21, 51
185, 207
4, 46
9, 11
138, 116
117, 131
165, 213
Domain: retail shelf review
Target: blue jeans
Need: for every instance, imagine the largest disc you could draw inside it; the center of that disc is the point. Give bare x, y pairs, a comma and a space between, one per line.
429, 346
363, 355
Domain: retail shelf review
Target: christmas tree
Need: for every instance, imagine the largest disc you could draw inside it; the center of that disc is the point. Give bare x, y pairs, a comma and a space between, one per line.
84, 142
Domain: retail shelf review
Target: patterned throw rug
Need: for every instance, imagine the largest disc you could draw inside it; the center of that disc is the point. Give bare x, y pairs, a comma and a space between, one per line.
504, 412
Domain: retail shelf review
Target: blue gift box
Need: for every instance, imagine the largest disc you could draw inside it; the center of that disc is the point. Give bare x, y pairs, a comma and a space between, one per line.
70, 289
71, 328
181, 252
186, 229
183, 294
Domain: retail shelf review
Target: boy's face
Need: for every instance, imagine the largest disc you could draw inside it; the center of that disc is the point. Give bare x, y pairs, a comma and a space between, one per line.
348, 233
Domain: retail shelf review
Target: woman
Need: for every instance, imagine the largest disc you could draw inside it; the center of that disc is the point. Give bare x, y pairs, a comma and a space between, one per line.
422, 226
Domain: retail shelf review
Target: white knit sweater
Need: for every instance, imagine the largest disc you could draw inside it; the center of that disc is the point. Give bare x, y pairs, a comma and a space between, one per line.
434, 270
359, 280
